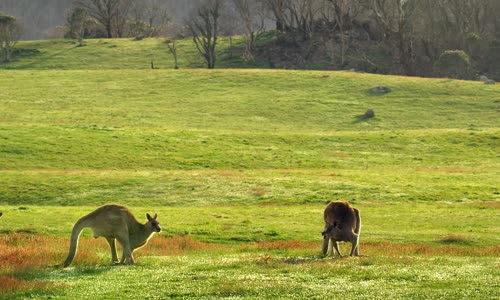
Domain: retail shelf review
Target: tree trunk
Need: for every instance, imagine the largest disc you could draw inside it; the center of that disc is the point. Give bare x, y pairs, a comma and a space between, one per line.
109, 29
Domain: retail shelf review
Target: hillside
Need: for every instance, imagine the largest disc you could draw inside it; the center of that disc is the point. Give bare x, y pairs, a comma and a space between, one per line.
99, 54
279, 134
239, 164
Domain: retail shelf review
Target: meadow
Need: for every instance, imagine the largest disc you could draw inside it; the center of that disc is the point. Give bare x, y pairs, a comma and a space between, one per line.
239, 165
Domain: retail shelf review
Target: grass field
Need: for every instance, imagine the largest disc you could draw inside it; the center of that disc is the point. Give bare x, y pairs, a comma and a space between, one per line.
102, 54
239, 165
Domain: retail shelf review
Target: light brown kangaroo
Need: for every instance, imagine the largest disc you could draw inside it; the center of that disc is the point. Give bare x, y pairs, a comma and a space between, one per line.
342, 224
115, 222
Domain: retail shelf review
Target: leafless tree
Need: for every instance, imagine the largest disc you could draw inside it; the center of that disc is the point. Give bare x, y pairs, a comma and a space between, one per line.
10, 32
342, 13
111, 14
149, 17
395, 19
252, 17
279, 13
204, 26
172, 47
75, 22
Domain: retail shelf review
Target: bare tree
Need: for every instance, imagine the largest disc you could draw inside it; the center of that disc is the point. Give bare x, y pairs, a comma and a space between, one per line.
395, 19
111, 14
252, 17
75, 22
204, 27
149, 18
10, 32
172, 47
343, 12
280, 14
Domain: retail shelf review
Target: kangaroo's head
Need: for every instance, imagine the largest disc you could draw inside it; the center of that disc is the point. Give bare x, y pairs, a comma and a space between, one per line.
152, 223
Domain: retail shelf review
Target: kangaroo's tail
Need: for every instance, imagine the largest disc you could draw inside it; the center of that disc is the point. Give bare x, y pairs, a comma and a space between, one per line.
357, 229
75, 234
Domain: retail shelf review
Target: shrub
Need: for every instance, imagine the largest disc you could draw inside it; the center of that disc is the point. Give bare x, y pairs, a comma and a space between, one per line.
454, 64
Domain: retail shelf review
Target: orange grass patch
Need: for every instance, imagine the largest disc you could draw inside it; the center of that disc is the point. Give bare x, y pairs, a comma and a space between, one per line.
486, 205
281, 245
392, 249
9, 284
177, 245
382, 248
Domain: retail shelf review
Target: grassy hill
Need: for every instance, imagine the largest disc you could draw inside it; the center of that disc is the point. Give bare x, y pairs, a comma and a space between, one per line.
239, 163
100, 54
270, 128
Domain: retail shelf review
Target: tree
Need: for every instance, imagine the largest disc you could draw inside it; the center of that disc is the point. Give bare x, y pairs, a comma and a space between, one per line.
172, 47
111, 14
395, 20
252, 18
10, 32
75, 22
343, 13
279, 10
149, 17
204, 27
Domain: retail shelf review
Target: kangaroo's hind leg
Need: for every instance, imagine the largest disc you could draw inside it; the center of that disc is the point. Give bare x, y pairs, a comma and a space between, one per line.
112, 245
127, 257
336, 246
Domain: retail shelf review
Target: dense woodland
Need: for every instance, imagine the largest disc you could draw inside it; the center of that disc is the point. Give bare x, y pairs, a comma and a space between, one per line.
449, 38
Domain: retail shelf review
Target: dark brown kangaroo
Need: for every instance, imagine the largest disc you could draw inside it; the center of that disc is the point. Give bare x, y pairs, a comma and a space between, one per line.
342, 224
115, 222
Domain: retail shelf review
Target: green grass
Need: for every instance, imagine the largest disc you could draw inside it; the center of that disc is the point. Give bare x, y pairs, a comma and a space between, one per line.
239, 165
102, 54
434, 251
426, 223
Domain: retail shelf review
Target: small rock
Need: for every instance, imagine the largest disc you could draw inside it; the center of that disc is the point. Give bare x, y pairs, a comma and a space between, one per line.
490, 81
483, 78
380, 90
369, 113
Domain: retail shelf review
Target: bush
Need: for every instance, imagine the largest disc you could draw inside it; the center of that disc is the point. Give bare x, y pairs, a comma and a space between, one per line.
454, 64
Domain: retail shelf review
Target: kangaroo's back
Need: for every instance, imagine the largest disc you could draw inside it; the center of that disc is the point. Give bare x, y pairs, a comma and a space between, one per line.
111, 218
340, 214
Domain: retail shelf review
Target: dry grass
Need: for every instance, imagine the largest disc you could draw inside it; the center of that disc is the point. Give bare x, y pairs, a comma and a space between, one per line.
177, 245
23, 254
9, 284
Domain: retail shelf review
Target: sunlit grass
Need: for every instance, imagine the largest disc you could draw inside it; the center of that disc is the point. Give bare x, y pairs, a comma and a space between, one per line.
177, 264
123, 53
239, 165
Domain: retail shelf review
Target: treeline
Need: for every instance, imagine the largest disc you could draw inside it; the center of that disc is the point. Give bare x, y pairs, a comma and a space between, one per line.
453, 38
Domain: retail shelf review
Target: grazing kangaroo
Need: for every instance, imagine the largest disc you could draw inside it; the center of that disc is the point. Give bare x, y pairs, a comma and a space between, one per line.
115, 222
342, 224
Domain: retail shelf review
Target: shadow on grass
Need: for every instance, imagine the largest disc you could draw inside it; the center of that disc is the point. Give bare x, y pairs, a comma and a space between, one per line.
454, 239
361, 118
41, 60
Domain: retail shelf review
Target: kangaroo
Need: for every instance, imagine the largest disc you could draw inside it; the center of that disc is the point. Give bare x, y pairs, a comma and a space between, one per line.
342, 224
115, 222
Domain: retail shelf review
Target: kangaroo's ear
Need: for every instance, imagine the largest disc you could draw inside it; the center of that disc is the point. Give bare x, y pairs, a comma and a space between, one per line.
149, 217
156, 216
